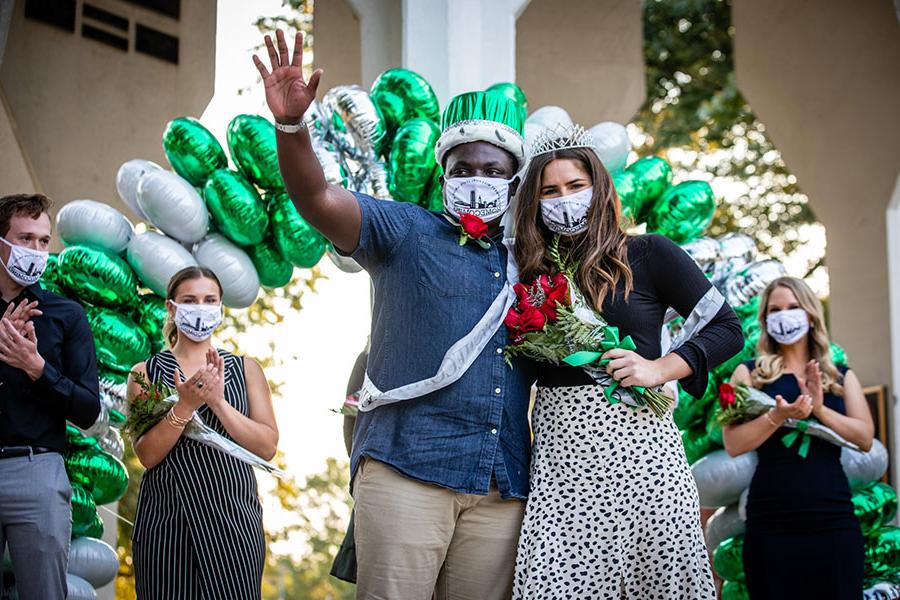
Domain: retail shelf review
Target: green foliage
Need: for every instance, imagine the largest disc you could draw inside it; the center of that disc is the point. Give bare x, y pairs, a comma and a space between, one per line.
693, 104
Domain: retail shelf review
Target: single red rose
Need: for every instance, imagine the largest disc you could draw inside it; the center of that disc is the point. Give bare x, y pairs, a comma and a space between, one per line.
523, 299
726, 395
524, 320
473, 226
556, 291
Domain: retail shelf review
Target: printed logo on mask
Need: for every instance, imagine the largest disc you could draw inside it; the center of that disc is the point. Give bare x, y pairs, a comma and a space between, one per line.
198, 321
567, 215
788, 326
484, 197
25, 265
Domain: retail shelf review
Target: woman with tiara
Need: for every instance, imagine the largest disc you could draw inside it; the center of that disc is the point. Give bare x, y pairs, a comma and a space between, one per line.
613, 510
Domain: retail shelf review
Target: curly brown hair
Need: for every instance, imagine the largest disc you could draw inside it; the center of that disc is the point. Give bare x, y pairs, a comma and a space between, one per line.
600, 251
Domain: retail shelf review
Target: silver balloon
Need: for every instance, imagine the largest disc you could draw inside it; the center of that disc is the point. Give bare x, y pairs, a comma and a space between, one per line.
736, 250
882, 590
862, 468
721, 479
155, 258
331, 165
704, 251
100, 426
550, 117
113, 394
93, 560
742, 504
233, 268
112, 442
750, 281
127, 179
344, 263
356, 109
79, 589
377, 177
726, 522
612, 144
94, 224
532, 131
173, 205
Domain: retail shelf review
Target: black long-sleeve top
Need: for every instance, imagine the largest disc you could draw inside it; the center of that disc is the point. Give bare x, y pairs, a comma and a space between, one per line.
34, 413
664, 276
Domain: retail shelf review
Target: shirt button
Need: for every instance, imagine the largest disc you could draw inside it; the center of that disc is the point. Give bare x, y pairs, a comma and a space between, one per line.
497, 391
494, 431
497, 274
499, 350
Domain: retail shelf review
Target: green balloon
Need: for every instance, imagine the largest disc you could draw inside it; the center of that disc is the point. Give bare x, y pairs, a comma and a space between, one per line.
728, 559
83, 511
75, 439
51, 271
110, 375
684, 211
251, 142
192, 150
95, 529
412, 161
295, 239
116, 418
401, 95
625, 183
838, 355
119, 341
652, 177
514, 93
883, 552
690, 410
97, 277
875, 506
747, 311
273, 269
99, 472
696, 443
236, 208
151, 316
734, 590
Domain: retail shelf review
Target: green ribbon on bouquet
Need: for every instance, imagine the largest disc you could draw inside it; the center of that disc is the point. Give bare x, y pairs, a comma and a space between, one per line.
611, 341
800, 432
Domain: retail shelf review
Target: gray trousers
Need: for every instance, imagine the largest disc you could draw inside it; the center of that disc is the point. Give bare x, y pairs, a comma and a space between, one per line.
36, 523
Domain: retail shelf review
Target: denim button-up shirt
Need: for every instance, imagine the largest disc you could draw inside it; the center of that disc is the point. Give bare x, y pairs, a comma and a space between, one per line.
429, 293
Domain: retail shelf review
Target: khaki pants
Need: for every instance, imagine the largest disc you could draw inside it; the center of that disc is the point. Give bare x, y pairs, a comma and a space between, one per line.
414, 539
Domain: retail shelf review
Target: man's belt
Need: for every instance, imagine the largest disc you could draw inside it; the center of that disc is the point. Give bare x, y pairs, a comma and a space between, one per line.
15, 451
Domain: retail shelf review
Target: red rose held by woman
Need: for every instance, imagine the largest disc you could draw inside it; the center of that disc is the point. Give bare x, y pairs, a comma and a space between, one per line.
726, 395
473, 226
524, 320
556, 290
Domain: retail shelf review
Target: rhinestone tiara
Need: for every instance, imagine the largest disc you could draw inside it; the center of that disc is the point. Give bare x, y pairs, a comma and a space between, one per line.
561, 137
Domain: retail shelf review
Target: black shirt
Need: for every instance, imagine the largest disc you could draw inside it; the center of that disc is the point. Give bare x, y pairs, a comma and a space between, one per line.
34, 413
663, 276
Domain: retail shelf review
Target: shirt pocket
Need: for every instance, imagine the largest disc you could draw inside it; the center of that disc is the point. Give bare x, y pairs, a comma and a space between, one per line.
444, 267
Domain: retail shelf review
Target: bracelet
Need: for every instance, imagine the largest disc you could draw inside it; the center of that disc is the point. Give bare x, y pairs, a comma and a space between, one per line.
290, 128
176, 421
770, 419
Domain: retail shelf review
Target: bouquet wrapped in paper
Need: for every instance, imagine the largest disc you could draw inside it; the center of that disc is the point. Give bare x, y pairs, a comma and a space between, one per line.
551, 322
151, 406
741, 403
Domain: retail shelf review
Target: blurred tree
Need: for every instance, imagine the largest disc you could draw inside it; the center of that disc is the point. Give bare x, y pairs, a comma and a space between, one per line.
693, 105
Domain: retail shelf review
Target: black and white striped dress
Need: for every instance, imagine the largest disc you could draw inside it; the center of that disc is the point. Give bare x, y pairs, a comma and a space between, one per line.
198, 530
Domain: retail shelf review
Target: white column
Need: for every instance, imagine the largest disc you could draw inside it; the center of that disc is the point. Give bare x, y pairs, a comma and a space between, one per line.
892, 220
461, 45
380, 34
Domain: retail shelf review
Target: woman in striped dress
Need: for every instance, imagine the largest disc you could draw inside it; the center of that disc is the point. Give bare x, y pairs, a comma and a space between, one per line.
198, 530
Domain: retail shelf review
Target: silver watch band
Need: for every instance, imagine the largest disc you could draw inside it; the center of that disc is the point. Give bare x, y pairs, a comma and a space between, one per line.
290, 128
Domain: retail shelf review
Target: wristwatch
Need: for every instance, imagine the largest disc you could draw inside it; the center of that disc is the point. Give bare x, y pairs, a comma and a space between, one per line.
290, 127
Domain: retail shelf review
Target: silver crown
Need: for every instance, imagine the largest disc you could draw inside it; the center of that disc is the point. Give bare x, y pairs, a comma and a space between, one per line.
561, 137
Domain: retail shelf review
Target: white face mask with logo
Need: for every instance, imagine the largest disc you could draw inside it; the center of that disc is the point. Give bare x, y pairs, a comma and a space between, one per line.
567, 215
197, 321
25, 265
788, 326
484, 197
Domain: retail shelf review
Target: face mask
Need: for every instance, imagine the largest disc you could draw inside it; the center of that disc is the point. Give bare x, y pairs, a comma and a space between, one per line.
567, 215
484, 197
788, 326
197, 321
25, 265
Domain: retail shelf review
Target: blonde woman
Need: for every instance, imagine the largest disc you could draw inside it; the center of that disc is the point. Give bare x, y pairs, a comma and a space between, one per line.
802, 540
198, 529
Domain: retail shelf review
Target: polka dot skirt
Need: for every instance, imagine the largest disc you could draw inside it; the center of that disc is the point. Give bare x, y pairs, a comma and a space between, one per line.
613, 510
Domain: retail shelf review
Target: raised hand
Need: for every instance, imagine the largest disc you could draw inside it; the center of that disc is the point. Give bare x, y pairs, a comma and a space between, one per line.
216, 391
19, 349
194, 392
798, 409
813, 387
287, 94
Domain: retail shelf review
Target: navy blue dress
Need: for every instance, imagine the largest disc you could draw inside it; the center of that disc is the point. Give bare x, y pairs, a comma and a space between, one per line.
802, 540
